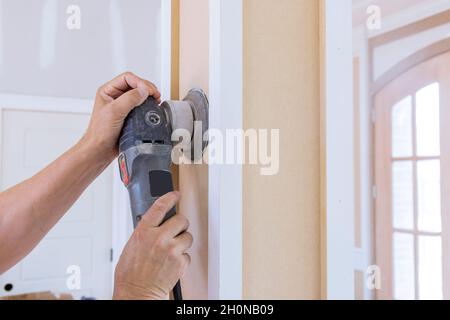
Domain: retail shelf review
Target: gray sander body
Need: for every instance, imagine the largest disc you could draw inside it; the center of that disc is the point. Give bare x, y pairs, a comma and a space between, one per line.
146, 145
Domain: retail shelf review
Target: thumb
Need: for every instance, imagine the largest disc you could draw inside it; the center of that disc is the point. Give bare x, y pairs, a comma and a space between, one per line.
129, 100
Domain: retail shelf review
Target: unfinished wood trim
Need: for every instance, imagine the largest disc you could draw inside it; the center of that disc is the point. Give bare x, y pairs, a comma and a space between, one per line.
383, 225
410, 29
445, 171
323, 149
417, 58
175, 73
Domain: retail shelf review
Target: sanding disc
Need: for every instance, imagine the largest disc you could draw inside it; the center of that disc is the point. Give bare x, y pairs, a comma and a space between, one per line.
200, 109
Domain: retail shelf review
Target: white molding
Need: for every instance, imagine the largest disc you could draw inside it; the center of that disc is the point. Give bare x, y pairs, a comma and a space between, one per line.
45, 104
337, 126
225, 182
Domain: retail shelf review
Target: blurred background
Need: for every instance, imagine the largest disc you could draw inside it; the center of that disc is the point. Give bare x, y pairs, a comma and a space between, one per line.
402, 109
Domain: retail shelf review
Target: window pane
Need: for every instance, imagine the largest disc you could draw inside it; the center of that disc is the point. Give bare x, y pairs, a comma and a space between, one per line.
427, 121
430, 268
404, 279
402, 129
429, 195
402, 195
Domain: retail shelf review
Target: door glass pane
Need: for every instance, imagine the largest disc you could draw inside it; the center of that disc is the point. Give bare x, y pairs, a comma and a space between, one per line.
404, 279
402, 195
429, 195
427, 121
402, 129
430, 268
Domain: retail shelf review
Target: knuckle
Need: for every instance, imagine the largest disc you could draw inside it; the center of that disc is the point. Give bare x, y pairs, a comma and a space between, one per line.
190, 237
160, 243
173, 254
183, 221
159, 206
100, 90
127, 74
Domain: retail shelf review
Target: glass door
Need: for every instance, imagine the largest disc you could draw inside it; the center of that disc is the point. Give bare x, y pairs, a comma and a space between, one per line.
411, 165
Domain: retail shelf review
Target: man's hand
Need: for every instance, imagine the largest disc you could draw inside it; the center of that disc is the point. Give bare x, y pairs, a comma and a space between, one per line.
29, 210
113, 103
155, 257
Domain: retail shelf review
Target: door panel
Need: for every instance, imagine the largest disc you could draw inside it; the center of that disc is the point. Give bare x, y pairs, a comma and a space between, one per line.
30, 141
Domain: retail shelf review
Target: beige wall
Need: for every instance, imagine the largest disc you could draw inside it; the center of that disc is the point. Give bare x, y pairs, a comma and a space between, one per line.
281, 90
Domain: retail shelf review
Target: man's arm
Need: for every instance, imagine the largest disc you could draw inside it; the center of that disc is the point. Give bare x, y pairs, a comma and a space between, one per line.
29, 210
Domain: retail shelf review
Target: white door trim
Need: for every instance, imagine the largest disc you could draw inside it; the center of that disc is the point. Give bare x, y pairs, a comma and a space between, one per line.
225, 181
337, 149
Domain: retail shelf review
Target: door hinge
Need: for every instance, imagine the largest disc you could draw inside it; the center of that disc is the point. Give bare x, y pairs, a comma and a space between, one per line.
111, 255
374, 192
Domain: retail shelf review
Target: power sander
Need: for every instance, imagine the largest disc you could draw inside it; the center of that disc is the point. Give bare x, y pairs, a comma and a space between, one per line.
146, 146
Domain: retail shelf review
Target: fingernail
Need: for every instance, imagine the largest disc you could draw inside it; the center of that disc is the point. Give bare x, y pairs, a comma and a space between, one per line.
177, 193
143, 92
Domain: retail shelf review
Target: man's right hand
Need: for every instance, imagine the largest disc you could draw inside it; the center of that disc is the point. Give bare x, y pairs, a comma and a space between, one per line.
155, 257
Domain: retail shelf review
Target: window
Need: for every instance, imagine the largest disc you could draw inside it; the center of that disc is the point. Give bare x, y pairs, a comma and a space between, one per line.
416, 196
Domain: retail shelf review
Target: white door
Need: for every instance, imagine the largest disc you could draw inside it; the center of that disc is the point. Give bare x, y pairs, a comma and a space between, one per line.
79, 245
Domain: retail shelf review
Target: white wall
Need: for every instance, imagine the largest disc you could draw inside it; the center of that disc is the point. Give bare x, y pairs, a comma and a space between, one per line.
41, 56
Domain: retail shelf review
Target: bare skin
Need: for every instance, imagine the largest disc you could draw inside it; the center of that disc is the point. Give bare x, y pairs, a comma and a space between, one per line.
29, 210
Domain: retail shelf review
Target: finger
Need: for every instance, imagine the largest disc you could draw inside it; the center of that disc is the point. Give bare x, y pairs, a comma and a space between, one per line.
128, 101
156, 94
183, 242
158, 211
125, 82
175, 226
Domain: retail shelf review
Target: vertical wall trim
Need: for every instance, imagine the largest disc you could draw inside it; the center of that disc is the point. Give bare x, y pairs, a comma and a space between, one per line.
337, 150
225, 181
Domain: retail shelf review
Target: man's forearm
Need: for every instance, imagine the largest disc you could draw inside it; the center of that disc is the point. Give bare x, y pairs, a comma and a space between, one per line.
29, 210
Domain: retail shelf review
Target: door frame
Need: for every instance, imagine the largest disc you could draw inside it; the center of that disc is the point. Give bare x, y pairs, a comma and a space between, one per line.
337, 152
225, 202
